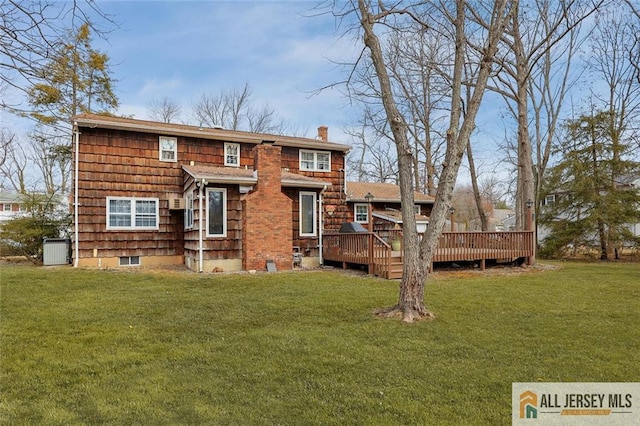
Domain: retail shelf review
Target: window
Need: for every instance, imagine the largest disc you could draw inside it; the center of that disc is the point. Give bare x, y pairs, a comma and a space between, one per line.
129, 260
361, 213
23, 207
188, 211
416, 209
549, 199
216, 212
168, 149
308, 214
6, 207
132, 213
315, 161
232, 154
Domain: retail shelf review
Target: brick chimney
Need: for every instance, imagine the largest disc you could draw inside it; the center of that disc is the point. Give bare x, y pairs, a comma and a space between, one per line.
267, 224
323, 133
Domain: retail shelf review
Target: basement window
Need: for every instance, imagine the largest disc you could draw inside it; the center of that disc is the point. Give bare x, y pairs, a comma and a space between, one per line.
129, 260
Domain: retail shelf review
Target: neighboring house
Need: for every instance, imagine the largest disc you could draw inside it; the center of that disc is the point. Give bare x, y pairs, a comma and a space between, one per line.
502, 220
629, 183
148, 193
12, 205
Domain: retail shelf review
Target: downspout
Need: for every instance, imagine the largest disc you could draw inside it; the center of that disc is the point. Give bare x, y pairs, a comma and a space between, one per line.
201, 185
76, 134
321, 224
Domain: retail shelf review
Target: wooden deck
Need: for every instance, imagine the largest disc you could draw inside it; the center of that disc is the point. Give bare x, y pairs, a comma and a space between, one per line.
372, 250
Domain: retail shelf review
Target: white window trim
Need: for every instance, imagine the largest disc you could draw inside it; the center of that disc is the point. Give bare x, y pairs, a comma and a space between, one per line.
175, 149
315, 161
224, 213
133, 227
549, 199
315, 213
416, 209
355, 212
4, 207
228, 145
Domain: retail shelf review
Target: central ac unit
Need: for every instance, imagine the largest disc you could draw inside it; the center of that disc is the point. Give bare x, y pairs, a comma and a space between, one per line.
176, 204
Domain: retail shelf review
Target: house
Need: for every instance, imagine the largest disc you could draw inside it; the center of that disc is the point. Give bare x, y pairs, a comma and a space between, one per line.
149, 193
386, 208
12, 205
624, 183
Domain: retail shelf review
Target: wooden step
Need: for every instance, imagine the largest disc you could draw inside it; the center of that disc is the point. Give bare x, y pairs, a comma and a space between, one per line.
395, 268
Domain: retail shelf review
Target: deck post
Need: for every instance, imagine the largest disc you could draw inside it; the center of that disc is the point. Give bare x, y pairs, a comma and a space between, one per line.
531, 260
371, 262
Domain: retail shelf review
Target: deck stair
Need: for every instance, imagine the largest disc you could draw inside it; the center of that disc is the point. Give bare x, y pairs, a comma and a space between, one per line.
395, 267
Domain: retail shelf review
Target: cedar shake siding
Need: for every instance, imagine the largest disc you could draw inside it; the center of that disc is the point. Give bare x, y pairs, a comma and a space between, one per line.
124, 191
124, 164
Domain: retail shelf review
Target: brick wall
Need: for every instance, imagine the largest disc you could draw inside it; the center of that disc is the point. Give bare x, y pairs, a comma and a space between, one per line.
267, 224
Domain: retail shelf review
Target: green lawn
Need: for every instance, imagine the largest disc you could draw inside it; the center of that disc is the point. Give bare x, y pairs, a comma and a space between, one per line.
87, 347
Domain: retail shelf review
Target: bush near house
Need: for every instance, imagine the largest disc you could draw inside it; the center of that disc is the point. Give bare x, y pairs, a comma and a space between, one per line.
105, 347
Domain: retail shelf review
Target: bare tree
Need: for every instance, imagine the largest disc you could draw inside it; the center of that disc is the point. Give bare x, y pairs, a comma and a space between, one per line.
370, 159
418, 255
534, 29
234, 110
417, 63
15, 167
164, 109
615, 55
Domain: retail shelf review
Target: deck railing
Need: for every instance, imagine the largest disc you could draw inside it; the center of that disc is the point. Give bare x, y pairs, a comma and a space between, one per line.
364, 248
369, 249
457, 246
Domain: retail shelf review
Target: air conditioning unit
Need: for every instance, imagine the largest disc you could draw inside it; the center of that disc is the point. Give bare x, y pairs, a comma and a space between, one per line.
176, 204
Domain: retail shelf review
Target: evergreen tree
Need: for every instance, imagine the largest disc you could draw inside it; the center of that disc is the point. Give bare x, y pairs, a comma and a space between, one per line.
594, 203
76, 80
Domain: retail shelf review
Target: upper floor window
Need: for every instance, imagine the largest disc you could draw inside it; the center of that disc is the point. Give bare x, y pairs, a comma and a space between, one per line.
232, 154
315, 161
168, 149
549, 199
416, 209
361, 213
132, 213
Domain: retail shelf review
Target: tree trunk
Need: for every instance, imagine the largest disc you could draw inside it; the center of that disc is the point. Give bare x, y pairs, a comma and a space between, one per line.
526, 185
418, 255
